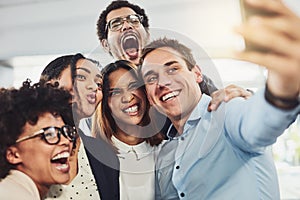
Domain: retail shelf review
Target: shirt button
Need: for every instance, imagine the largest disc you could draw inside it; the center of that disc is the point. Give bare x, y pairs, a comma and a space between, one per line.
182, 194
182, 138
177, 167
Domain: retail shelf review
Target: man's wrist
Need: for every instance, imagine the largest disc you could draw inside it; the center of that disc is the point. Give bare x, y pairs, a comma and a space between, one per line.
281, 102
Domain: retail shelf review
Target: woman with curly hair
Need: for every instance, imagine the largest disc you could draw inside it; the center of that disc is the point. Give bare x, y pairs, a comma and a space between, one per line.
36, 140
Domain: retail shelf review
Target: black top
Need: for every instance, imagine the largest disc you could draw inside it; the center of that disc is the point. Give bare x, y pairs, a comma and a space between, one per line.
105, 166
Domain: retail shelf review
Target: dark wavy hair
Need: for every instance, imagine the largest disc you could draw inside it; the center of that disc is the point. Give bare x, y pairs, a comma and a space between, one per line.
27, 104
54, 69
104, 124
114, 5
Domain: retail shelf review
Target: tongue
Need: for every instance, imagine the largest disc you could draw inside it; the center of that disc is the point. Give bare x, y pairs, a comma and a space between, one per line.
91, 100
132, 53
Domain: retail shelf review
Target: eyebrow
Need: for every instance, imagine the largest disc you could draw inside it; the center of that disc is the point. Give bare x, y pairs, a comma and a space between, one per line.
170, 63
164, 65
112, 89
88, 71
84, 69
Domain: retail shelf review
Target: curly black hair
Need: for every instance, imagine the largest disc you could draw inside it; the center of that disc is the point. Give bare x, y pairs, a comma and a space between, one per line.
27, 104
114, 5
54, 69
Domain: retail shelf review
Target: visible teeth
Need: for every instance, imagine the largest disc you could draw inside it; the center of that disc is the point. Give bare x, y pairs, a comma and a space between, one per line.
61, 155
170, 95
131, 109
62, 166
129, 37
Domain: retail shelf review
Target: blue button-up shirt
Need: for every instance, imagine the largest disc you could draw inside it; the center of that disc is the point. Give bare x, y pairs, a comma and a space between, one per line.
224, 154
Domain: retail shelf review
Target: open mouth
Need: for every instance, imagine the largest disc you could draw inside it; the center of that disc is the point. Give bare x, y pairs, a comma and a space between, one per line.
132, 109
61, 161
130, 45
91, 98
169, 96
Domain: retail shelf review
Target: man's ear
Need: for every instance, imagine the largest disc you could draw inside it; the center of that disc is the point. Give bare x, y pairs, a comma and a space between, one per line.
198, 74
105, 45
13, 155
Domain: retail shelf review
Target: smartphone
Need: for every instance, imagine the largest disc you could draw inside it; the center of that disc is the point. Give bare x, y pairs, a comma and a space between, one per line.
246, 12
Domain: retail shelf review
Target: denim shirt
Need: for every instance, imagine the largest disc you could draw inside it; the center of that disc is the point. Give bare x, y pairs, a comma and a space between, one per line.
224, 154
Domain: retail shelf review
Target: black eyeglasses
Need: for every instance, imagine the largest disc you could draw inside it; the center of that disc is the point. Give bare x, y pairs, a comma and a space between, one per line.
52, 134
117, 23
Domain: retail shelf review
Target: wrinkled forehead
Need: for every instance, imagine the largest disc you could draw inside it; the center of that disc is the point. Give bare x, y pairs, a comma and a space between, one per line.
120, 12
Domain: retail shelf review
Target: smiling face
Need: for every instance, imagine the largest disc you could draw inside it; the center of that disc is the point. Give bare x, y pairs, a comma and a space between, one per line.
45, 164
126, 98
171, 87
128, 42
88, 88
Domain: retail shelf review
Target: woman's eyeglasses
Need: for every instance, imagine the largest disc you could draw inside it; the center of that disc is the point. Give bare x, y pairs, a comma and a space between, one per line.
53, 134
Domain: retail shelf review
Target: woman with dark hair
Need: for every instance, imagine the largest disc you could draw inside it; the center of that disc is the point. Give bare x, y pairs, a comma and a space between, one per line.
94, 165
123, 120
36, 140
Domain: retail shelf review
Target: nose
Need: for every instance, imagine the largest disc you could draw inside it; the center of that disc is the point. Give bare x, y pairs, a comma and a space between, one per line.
92, 85
163, 81
126, 26
64, 141
127, 97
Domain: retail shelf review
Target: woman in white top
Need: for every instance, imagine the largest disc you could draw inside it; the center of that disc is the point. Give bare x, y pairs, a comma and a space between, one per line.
123, 120
35, 142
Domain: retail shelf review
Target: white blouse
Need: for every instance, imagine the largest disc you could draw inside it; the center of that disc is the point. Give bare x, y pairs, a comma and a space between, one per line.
137, 170
83, 186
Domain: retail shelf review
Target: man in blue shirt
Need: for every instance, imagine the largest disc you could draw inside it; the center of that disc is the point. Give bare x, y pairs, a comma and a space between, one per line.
223, 154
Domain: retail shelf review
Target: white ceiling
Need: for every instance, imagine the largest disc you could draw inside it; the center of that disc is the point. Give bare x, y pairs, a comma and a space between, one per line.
33, 32
44, 27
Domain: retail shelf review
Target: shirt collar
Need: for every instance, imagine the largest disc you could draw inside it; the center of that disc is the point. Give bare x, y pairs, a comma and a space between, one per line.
195, 116
140, 150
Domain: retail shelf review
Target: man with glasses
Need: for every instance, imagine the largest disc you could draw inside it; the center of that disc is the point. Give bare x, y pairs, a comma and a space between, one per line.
123, 31
36, 140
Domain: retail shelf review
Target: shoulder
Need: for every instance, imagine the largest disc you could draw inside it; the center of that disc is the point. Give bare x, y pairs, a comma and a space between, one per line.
16, 185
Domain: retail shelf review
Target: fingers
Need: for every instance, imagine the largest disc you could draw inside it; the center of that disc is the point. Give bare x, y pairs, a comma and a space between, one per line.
287, 66
289, 25
262, 36
217, 98
272, 6
233, 91
226, 95
279, 35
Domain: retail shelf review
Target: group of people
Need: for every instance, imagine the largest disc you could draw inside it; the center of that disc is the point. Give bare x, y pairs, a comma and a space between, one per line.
160, 129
